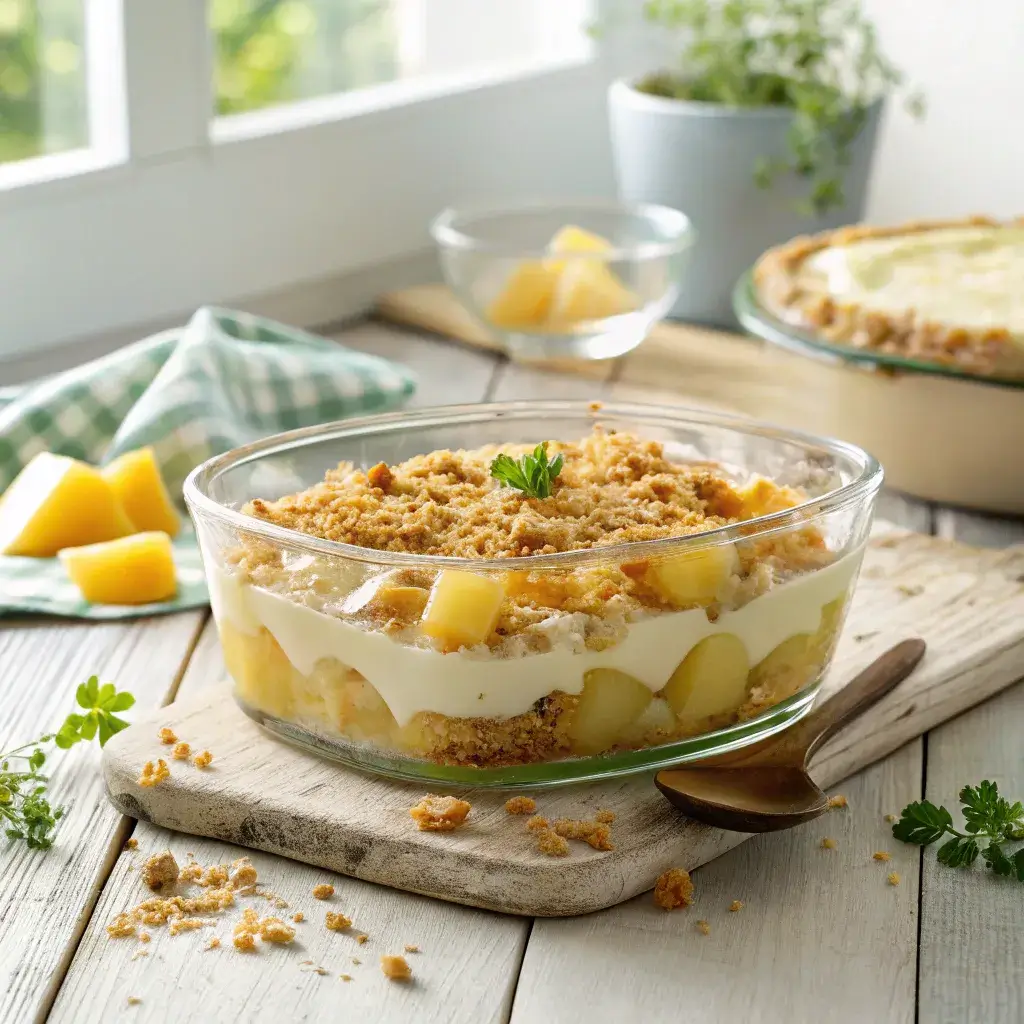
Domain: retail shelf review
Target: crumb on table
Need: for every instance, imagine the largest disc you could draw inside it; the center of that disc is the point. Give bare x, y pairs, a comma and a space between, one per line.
439, 813
337, 922
245, 942
673, 889
187, 924
131, 844
412, 949
203, 760
159, 870
298, 917
703, 927
592, 833
181, 752
890, 817
828, 844
122, 927
145, 937
604, 817
395, 967
243, 874
273, 929
166, 735
134, 1000
345, 977
881, 855
893, 878
837, 801
736, 905
361, 939
520, 805
154, 774
537, 823
551, 843
323, 891
214, 943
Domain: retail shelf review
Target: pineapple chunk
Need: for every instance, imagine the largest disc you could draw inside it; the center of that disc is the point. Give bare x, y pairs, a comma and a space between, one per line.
711, 679
525, 300
132, 570
463, 608
137, 484
763, 497
574, 239
264, 677
56, 502
588, 290
610, 702
656, 722
696, 577
401, 602
789, 668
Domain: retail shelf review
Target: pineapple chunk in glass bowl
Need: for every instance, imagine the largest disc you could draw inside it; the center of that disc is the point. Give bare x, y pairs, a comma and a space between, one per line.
531, 591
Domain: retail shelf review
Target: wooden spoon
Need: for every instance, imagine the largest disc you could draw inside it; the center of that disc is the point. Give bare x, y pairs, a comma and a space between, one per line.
766, 787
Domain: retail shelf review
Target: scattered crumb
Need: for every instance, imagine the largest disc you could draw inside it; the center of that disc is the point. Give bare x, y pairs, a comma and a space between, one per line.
356, 961
337, 922
166, 735
215, 876
890, 817
837, 801
412, 949
134, 1000
181, 752
673, 889
153, 775
893, 878
439, 813
828, 844
145, 937
551, 843
243, 874
605, 817
131, 844
345, 977
592, 833
323, 891
203, 760
736, 905
187, 924
536, 823
273, 929
703, 927
881, 855
191, 872
396, 968
361, 939
298, 917
521, 805
214, 943
245, 942
280, 903
159, 870
121, 927
138, 954
910, 591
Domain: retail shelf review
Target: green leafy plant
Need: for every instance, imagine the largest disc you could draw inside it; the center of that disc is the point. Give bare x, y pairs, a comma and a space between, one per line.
819, 58
24, 809
531, 474
987, 816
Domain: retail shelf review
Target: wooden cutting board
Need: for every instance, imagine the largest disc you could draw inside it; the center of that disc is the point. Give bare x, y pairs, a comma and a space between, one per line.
261, 793
940, 439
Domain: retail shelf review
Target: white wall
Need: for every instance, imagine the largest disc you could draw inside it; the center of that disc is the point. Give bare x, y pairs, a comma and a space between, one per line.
967, 156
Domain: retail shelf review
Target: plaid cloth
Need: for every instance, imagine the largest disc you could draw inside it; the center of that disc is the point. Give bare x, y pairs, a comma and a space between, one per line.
224, 380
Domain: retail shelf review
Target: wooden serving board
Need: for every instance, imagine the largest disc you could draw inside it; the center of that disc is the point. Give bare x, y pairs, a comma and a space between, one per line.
939, 438
261, 793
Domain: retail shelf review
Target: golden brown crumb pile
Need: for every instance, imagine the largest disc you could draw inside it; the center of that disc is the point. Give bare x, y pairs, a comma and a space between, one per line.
181, 752
837, 801
203, 760
439, 813
159, 870
890, 817
673, 889
412, 949
153, 775
520, 805
361, 939
703, 927
736, 905
323, 891
551, 843
537, 823
396, 968
880, 855
131, 843
273, 929
337, 922
298, 917
605, 817
894, 878
242, 876
345, 977
828, 844
166, 735
592, 833
214, 943
612, 489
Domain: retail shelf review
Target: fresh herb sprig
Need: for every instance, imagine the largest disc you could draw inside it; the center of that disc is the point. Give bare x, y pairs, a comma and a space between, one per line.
987, 816
531, 474
24, 809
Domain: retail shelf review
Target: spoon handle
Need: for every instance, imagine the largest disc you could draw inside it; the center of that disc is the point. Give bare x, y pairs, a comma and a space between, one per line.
797, 744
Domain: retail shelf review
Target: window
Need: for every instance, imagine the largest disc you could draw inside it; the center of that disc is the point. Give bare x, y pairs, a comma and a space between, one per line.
159, 154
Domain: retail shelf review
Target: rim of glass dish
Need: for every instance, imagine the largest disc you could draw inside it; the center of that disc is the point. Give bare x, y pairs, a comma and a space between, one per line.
444, 231
868, 482
768, 327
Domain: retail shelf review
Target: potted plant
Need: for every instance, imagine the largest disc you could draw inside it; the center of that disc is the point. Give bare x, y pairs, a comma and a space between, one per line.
765, 130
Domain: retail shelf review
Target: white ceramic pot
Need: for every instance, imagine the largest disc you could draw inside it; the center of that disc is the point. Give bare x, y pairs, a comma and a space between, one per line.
700, 158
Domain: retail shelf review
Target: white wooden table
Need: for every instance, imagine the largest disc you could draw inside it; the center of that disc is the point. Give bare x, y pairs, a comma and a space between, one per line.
821, 936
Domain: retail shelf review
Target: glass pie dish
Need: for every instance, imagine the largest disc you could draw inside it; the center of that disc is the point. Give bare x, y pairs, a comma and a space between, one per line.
677, 593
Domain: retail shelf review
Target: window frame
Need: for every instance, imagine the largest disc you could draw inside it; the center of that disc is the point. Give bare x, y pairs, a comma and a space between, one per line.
168, 211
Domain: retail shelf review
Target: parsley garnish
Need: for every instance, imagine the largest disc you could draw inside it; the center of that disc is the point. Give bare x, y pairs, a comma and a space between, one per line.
24, 808
987, 816
531, 474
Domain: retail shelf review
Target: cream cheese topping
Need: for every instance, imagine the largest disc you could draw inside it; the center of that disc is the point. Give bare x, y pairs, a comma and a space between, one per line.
970, 276
463, 684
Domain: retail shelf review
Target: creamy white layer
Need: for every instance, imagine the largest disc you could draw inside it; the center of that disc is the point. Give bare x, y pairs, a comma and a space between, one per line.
959, 277
464, 684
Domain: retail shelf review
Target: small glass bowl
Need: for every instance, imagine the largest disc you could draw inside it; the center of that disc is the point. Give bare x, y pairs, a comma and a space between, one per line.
587, 303
738, 656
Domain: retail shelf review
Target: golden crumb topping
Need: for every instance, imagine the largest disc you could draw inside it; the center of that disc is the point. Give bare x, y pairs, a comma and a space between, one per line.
159, 870
829, 844
439, 813
323, 891
520, 805
396, 968
166, 735
605, 817
131, 844
881, 855
612, 489
337, 922
673, 889
593, 833
203, 760
537, 823
735, 906
153, 775
273, 929
551, 843
703, 927
837, 801
893, 878
181, 752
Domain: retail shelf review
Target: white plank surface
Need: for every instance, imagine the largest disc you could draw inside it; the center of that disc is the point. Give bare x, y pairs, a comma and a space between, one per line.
46, 897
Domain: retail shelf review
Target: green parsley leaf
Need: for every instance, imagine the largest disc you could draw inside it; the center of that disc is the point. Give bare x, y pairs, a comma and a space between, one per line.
922, 823
958, 852
531, 474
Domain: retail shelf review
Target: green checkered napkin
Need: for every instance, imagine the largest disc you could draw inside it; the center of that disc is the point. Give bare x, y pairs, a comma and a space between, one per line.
224, 380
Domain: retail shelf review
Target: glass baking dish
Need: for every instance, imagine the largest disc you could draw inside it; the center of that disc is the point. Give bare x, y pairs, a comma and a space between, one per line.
543, 668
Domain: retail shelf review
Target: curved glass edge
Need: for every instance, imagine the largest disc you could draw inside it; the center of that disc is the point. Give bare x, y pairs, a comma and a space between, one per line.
548, 773
756, 320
